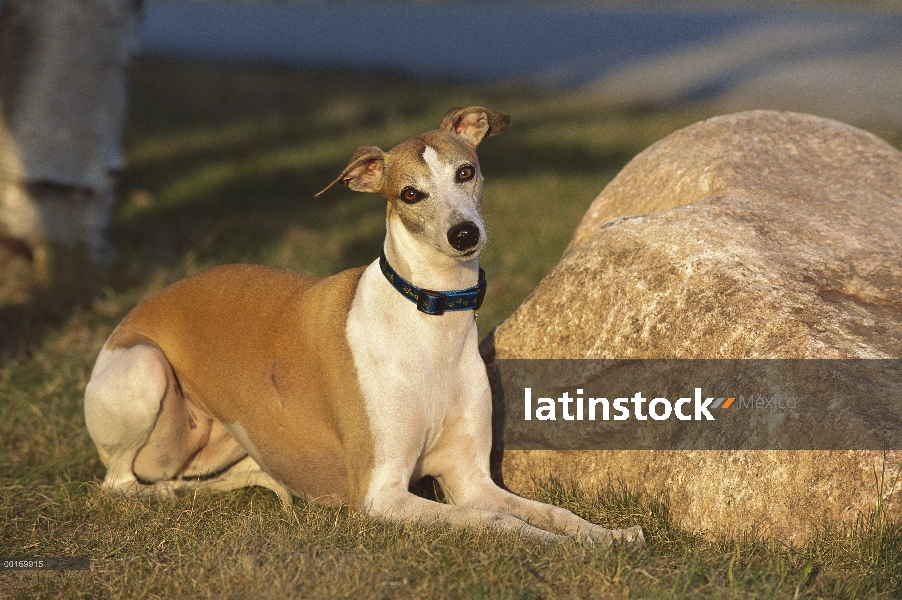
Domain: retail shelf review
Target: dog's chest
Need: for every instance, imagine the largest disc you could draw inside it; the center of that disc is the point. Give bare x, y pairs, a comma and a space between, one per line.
413, 369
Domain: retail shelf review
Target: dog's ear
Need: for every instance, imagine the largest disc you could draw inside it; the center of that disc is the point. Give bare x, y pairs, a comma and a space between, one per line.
364, 171
474, 123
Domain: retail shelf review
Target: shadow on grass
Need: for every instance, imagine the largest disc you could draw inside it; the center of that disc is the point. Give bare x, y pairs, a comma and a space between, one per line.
41, 309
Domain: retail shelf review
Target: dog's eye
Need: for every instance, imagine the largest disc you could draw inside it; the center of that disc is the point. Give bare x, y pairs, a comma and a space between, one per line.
465, 173
411, 195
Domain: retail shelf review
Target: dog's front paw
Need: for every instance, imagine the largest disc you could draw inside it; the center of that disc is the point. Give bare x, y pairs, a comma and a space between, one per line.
631, 537
634, 536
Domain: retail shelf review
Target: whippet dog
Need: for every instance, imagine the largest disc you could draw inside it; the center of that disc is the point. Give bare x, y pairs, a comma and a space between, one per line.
344, 390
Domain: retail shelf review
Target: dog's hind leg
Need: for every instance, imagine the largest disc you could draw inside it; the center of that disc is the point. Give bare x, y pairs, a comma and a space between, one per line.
135, 414
245, 473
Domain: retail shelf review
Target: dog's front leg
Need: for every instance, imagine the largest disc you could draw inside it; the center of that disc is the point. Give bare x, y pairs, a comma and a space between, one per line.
398, 504
469, 485
484, 494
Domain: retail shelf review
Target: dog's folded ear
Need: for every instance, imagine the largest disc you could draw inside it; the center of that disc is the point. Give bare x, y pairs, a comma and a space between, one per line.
474, 123
364, 171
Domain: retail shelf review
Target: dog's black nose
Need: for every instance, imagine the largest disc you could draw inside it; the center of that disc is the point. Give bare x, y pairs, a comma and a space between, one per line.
463, 236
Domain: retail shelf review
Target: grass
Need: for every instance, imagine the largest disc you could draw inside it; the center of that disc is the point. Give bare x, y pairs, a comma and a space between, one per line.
222, 166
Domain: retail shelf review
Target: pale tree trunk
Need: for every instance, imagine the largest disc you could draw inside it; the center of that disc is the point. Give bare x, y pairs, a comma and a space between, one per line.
63, 99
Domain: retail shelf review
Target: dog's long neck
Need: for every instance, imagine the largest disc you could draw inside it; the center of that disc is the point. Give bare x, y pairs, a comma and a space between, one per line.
423, 265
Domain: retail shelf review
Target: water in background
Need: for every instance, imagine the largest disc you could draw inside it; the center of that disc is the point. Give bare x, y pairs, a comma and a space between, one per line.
841, 63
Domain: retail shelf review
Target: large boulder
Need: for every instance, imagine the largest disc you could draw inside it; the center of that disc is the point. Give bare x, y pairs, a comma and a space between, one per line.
753, 235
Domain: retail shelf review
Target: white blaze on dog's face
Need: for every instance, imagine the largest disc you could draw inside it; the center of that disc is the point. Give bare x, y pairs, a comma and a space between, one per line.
432, 181
433, 184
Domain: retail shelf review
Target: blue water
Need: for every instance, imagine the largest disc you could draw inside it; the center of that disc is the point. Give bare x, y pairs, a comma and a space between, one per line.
558, 44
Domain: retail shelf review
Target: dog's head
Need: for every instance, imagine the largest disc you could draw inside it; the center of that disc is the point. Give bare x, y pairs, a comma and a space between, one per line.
432, 181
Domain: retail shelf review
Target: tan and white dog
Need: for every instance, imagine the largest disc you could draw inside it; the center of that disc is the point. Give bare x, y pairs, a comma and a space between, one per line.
343, 389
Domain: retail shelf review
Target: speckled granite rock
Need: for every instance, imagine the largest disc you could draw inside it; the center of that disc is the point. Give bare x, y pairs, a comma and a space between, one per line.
752, 235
